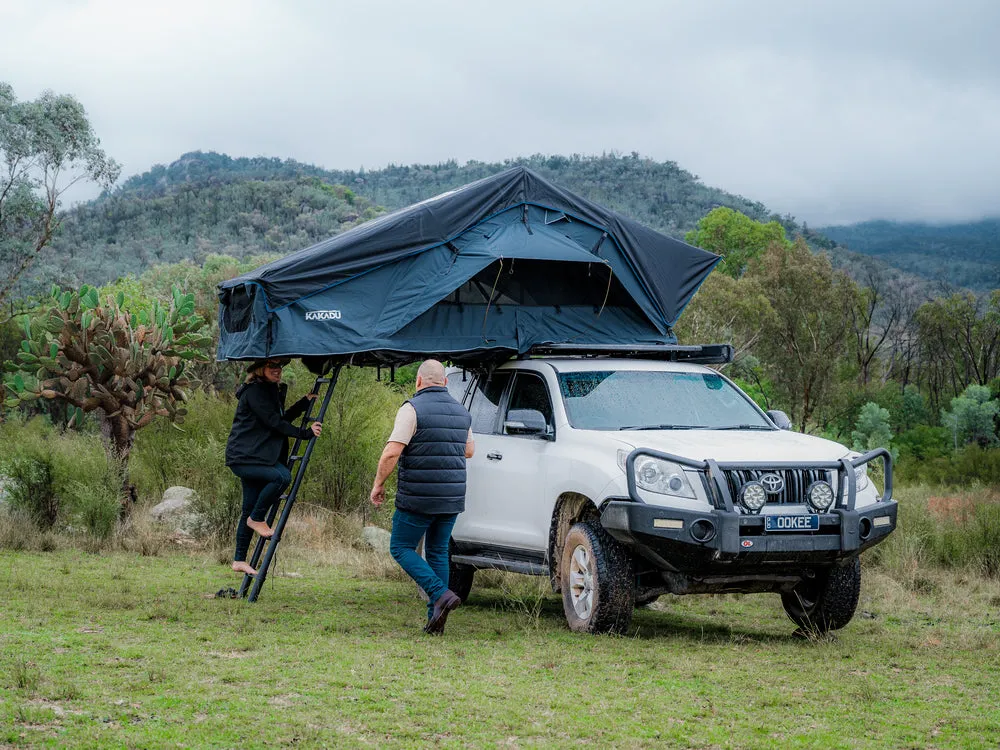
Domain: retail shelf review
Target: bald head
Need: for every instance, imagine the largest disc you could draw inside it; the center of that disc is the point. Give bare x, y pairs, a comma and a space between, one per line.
430, 372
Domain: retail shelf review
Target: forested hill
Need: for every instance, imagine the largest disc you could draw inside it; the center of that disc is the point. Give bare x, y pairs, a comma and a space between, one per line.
960, 254
188, 210
208, 202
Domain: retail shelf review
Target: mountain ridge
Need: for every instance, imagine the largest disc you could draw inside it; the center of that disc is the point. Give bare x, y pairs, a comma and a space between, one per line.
208, 202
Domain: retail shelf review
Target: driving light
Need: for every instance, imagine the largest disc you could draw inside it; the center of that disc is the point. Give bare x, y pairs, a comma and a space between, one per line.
820, 496
752, 496
662, 477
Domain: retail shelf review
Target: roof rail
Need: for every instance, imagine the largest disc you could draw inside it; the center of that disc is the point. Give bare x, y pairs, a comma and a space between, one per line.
704, 354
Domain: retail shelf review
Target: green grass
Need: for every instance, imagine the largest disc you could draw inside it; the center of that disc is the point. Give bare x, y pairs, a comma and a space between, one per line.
121, 650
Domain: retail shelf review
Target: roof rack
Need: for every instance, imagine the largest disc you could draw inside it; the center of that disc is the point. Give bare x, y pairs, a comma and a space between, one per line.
705, 354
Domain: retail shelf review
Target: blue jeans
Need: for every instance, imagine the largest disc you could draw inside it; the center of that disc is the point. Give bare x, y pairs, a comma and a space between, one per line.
262, 487
431, 574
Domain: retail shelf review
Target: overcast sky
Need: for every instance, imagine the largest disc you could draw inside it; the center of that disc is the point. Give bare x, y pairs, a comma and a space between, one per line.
832, 111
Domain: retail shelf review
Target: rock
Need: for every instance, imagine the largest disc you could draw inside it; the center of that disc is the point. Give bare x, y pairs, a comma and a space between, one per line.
376, 538
176, 510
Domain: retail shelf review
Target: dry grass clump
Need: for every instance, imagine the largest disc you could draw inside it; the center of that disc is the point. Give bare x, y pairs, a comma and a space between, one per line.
941, 529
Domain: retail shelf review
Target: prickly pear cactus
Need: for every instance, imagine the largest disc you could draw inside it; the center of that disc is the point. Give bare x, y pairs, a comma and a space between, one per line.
93, 354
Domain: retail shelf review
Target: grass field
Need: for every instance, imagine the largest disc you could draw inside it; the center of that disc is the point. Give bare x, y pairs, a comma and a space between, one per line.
121, 650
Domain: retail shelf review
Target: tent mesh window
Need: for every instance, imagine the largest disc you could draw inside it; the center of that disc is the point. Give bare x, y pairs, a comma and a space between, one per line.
237, 309
544, 283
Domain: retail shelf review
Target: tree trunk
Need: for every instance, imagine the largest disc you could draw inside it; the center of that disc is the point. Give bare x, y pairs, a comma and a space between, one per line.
119, 436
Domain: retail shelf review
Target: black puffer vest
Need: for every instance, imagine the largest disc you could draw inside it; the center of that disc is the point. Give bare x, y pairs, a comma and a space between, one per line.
432, 467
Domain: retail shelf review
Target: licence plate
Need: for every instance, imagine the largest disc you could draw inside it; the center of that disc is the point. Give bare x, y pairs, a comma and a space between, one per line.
791, 523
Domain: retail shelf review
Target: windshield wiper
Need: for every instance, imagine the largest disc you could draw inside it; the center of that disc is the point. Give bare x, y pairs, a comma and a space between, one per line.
762, 427
664, 427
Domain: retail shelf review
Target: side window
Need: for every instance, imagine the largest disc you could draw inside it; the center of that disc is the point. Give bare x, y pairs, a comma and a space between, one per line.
529, 392
486, 402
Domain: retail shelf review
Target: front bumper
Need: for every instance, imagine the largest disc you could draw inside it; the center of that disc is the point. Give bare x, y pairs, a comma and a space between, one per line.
724, 537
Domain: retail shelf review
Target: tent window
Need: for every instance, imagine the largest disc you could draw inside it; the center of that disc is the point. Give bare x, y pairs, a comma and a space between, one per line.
237, 309
544, 283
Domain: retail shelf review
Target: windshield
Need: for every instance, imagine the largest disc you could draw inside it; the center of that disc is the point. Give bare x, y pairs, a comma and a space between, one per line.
642, 399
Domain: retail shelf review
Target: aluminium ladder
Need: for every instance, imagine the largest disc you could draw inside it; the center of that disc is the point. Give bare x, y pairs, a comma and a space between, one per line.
268, 547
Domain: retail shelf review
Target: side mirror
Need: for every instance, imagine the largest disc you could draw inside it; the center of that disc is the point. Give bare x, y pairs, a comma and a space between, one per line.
780, 419
525, 422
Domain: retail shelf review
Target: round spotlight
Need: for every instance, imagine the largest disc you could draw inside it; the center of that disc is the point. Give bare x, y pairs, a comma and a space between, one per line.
820, 496
752, 496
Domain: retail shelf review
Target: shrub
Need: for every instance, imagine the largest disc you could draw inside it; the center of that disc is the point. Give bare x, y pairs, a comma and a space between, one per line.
967, 539
77, 469
192, 456
969, 466
31, 487
355, 429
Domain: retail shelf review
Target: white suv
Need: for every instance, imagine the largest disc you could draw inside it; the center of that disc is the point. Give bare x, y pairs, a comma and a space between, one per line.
623, 479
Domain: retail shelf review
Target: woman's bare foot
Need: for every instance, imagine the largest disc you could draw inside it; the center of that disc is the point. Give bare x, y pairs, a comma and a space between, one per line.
262, 529
242, 567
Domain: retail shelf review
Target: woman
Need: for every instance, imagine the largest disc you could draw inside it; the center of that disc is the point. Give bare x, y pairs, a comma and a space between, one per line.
257, 450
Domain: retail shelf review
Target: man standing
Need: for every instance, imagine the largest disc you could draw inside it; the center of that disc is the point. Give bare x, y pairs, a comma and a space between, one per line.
430, 441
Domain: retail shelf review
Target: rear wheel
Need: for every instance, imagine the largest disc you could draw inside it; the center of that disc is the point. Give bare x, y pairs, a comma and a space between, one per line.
460, 580
597, 576
826, 602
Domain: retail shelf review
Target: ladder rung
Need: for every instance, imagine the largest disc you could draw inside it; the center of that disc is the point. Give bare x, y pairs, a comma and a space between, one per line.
295, 458
322, 380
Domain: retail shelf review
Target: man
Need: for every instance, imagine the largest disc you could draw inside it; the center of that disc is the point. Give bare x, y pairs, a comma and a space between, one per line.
430, 441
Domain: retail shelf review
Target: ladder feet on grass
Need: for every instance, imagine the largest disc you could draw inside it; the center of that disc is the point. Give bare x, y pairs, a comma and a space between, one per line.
265, 548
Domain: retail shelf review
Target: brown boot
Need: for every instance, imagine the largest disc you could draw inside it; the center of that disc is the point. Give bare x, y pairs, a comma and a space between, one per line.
445, 603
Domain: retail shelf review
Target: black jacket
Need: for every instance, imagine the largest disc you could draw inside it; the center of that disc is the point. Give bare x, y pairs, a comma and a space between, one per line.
261, 426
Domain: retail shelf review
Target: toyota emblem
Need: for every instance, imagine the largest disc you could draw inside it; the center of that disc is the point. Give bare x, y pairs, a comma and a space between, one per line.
773, 483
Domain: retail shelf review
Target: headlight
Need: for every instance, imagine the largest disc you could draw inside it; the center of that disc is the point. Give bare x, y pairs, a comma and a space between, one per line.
662, 477
820, 496
860, 473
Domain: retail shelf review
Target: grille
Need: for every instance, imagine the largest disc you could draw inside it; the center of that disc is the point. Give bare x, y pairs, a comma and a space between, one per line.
797, 481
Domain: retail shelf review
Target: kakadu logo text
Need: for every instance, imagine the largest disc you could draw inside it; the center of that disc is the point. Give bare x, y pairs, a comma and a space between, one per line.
323, 315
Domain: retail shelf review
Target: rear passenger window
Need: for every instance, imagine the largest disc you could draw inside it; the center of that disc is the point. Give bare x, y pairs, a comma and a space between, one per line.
486, 402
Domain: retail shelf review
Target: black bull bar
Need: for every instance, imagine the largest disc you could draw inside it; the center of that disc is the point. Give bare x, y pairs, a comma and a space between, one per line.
725, 531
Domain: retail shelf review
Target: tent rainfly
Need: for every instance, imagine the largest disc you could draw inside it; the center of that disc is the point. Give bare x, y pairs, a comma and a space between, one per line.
483, 272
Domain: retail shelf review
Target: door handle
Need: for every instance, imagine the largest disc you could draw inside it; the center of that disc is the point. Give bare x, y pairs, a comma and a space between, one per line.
494, 456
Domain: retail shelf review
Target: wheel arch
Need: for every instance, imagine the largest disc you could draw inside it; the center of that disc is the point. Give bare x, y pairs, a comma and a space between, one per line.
570, 508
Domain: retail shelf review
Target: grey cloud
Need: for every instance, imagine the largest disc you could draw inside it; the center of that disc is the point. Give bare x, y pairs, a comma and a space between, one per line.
829, 111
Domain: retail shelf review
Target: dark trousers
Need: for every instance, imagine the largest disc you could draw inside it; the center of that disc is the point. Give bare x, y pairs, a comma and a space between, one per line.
431, 571
262, 486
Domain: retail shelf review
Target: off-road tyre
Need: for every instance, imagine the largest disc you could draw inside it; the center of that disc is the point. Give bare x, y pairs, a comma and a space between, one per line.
826, 602
610, 581
460, 580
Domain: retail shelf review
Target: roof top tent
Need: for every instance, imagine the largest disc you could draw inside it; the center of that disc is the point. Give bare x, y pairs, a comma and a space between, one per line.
480, 273
508, 265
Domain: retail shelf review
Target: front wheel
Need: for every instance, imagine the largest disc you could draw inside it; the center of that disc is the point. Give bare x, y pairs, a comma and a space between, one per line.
598, 585
826, 602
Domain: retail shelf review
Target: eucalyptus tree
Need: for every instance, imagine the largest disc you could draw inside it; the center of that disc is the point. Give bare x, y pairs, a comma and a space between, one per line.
46, 146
